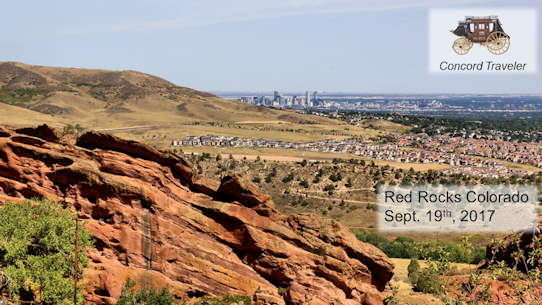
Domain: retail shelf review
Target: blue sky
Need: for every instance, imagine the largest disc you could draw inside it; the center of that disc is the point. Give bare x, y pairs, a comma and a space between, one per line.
247, 45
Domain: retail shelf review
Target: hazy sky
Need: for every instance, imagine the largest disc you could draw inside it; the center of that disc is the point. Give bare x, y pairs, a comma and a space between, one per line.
247, 45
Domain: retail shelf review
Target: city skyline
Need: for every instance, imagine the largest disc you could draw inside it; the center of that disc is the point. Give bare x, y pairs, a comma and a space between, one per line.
392, 102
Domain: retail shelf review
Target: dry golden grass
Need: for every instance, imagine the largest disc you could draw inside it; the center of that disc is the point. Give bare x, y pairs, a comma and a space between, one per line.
262, 122
518, 166
234, 130
147, 104
161, 137
406, 294
384, 125
17, 116
154, 110
401, 267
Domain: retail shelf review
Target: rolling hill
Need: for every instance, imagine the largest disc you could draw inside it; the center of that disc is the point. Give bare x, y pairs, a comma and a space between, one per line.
100, 99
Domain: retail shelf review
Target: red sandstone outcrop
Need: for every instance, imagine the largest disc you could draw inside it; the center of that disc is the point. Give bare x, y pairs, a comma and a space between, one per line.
155, 220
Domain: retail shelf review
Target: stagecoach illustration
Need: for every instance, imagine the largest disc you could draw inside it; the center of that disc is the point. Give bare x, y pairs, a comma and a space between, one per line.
485, 31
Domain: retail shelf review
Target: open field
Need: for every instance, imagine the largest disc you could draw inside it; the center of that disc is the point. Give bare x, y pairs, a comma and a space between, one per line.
519, 166
382, 125
299, 155
268, 152
261, 122
292, 132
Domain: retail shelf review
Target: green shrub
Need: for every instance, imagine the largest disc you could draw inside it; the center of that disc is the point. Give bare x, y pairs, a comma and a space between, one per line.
329, 187
303, 163
413, 271
38, 241
372, 206
129, 295
427, 282
288, 178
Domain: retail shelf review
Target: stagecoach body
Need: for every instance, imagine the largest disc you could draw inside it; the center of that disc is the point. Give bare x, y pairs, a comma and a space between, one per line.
485, 31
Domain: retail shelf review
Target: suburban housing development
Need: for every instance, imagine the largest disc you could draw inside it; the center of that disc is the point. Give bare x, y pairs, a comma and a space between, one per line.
468, 156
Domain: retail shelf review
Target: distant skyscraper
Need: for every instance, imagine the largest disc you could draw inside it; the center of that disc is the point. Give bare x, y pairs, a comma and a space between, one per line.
315, 96
308, 98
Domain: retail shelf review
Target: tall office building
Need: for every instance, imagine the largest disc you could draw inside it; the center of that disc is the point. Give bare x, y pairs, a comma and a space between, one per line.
315, 96
308, 98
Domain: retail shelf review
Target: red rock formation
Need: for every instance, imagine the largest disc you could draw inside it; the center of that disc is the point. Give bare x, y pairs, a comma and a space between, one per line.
153, 219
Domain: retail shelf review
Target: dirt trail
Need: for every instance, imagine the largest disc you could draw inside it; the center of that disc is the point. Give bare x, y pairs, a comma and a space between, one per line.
346, 200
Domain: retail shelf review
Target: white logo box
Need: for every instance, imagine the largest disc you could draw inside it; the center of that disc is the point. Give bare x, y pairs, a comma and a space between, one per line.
519, 24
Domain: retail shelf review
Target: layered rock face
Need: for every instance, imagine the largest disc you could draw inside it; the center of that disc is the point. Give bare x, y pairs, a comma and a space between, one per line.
154, 220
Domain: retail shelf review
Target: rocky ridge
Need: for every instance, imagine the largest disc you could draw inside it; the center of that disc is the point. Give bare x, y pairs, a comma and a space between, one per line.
155, 220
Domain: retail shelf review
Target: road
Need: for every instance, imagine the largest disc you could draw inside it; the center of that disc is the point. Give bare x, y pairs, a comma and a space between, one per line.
128, 128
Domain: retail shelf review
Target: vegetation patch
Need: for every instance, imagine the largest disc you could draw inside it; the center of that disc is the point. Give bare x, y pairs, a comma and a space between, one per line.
36, 251
19, 97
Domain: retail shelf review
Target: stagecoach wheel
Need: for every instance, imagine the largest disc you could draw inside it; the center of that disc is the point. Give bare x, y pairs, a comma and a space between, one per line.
498, 43
461, 46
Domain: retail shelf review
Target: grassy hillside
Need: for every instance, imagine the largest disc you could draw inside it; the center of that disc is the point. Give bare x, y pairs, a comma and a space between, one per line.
13, 115
99, 99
